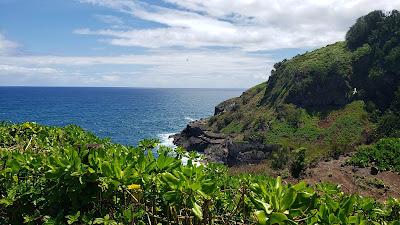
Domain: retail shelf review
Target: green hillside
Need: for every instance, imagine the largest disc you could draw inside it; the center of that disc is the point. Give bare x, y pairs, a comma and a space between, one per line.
329, 100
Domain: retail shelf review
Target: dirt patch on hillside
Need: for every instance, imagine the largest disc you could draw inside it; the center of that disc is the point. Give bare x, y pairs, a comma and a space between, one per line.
355, 180
352, 179
325, 123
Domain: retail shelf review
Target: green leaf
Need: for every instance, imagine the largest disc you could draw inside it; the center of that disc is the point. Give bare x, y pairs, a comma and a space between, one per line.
278, 183
128, 214
106, 169
170, 179
208, 186
198, 212
346, 209
353, 219
171, 196
333, 219
301, 185
261, 217
117, 169
73, 218
14, 165
266, 206
6, 202
289, 198
277, 218
332, 204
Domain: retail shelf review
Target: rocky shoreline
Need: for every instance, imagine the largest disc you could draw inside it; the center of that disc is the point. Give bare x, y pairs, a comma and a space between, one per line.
218, 147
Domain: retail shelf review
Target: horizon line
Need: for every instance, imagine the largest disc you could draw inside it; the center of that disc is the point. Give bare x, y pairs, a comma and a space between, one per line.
38, 86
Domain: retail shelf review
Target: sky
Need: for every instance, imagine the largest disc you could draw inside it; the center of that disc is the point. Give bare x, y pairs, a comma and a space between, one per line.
164, 43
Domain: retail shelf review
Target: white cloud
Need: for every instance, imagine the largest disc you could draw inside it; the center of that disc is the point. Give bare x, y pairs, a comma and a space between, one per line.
114, 21
161, 68
247, 24
21, 70
6, 46
239, 27
15, 75
110, 78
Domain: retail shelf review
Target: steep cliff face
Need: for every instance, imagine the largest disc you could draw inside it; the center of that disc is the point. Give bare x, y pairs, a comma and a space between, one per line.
319, 79
329, 100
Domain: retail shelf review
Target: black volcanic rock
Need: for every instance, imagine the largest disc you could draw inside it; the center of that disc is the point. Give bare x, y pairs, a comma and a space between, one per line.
226, 106
197, 136
374, 170
248, 152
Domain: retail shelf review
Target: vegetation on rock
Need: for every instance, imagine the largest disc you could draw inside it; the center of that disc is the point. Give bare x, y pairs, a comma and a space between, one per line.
330, 100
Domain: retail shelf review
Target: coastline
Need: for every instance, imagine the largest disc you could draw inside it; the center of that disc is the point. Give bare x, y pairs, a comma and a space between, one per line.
219, 147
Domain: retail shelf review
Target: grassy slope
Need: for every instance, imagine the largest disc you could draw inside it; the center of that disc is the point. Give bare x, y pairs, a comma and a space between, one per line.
306, 73
329, 100
265, 115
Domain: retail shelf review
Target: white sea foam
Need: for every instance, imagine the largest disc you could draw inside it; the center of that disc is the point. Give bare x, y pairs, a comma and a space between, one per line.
166, 140
190, 119
195, 162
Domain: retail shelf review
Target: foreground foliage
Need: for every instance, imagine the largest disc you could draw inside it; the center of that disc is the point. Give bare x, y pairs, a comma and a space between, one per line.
52, 175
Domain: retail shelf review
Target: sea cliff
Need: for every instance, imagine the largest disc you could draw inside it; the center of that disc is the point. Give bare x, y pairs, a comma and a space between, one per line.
328, 101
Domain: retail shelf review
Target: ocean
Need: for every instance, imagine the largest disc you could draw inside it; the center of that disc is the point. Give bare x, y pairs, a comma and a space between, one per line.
126, 115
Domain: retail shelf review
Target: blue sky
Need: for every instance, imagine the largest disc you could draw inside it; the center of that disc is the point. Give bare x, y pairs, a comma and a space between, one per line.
166, 43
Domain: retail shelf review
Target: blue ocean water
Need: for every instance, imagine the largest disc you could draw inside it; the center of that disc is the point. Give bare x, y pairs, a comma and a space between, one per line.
126, 115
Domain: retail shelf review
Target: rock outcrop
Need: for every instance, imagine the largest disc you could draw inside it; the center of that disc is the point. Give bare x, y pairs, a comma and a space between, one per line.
217, 147
226, 106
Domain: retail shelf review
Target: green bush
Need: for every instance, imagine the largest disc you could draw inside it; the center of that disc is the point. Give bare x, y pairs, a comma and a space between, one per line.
298, 162
360, 31
280, 158
52, 175
385, 155
389, 125
291, 114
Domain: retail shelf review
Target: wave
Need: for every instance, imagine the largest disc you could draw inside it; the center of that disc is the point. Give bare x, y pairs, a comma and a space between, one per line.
166, 140
190, 119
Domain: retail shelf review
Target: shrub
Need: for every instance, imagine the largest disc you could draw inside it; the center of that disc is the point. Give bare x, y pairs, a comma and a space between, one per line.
257, 137
298, 162
389, 125
280, 158
65, 175
385, 155
359, 32
291, 114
